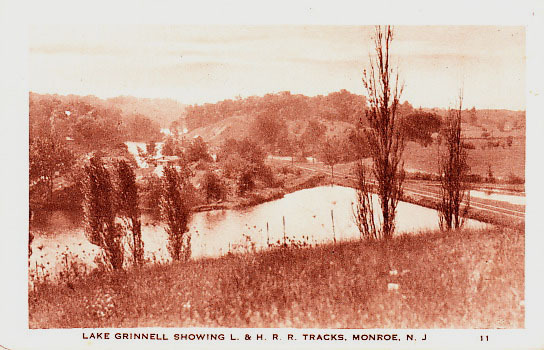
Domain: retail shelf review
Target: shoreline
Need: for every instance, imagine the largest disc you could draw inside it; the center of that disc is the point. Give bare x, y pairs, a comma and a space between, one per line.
309, 179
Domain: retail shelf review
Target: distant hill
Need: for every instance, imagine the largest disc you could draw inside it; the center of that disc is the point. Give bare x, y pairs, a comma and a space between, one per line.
162, 110
240, 126
237, 127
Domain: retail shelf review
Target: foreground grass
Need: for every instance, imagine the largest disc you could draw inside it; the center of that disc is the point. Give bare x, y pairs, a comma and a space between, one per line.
466, 279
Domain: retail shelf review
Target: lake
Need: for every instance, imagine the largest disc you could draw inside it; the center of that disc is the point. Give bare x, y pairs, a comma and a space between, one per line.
498, 196
59, 236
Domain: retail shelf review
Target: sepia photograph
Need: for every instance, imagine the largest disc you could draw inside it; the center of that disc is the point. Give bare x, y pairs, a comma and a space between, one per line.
276, 176
277, 183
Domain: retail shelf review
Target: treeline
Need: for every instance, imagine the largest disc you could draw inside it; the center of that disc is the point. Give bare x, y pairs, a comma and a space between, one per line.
285, 123
64, 129
89, 122
340, 106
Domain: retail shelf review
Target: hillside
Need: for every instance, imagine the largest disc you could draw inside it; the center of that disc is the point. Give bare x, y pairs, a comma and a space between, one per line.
237, 127
159, 110
162, 110
462, 279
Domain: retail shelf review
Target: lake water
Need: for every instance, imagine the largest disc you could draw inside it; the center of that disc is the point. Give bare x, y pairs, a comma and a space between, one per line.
59, 237
499, 196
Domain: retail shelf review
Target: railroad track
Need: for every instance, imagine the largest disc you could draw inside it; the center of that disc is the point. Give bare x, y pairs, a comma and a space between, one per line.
435, 196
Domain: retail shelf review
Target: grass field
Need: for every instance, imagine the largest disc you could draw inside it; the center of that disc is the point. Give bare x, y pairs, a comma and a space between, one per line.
504, 162
464, 279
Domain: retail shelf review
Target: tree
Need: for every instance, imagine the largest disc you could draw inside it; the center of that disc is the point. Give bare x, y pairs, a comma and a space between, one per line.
197, 150
49, 158
384, 135
315, 131
141, 128
453, 173
246, 179
151, 148
128, 209
99, 214
331, 153
269, 126
419, 127
176, 211
357, 145
98, 129
214, 188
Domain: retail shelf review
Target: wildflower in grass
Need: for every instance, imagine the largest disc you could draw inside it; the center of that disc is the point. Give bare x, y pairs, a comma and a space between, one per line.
100, 305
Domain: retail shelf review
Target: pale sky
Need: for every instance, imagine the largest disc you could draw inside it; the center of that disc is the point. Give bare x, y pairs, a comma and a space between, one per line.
196, 64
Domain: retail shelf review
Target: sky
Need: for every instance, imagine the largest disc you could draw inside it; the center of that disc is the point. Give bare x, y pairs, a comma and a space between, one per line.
198, 64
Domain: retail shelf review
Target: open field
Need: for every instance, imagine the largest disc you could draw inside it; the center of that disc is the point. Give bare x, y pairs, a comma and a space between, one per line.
503, 161
465, 279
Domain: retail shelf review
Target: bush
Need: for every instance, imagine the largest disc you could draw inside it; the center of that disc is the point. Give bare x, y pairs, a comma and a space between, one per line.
266, 175
246, 181
509, 141
232, 165
493, 144
474, 178
468, 145
515, 180
213, 187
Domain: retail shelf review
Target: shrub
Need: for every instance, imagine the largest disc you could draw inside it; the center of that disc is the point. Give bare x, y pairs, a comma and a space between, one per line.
246, 181
468, 145
509, 141
214, 188
265, 174
515, 180
474, 178
231, 165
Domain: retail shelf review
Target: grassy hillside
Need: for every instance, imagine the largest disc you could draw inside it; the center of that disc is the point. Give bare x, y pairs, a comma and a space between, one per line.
237, 127
466, 279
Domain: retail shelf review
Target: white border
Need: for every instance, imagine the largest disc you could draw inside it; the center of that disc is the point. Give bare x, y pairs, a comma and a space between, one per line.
14, 18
